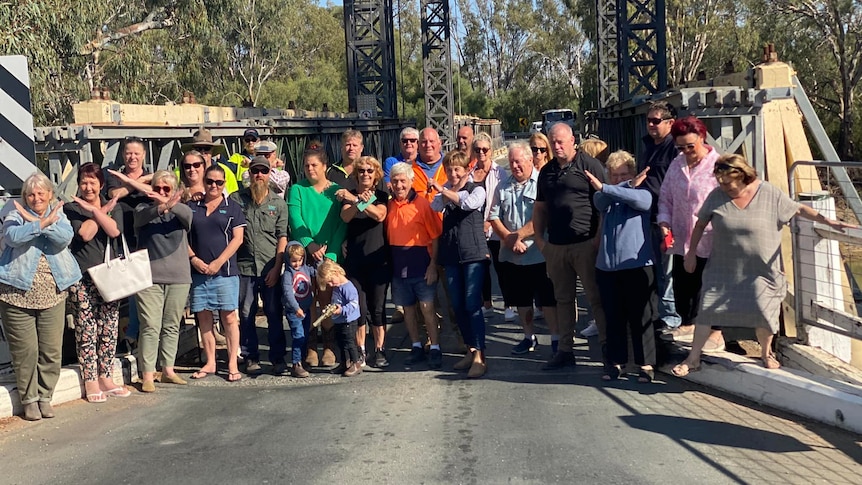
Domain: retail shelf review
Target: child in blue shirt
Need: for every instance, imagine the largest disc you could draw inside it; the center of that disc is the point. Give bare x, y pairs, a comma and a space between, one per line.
297, 296
346, 316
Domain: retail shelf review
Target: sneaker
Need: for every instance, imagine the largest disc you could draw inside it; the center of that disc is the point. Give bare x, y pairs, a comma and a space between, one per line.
510, 315
380, 360
279, 369
560, 360
362, 356
591, 331
538, 314
488, 312
435, 359
683, 333
298, 371
252, 367
525, 346
417, 354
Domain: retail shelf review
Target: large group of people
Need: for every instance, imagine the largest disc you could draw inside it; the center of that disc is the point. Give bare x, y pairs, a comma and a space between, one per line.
682, 239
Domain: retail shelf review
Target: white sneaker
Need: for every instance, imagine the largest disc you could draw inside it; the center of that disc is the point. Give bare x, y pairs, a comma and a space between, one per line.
538, 314
510, 314
488, 312
591, 331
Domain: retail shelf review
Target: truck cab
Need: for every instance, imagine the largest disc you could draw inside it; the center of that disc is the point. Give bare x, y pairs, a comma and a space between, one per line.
551, 116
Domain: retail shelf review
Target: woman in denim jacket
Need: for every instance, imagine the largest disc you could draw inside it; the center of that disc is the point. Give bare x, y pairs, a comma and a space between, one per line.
36, 269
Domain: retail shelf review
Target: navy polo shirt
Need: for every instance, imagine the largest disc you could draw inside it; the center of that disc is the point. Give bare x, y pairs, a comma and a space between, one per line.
210, 235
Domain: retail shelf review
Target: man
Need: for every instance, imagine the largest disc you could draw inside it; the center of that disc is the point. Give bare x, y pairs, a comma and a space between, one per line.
260, 260
429, 164
239, 161
202, 141
659, 150
351, 149
464, 139
278, 179
409, 151
521, 268
564, 206
412, 230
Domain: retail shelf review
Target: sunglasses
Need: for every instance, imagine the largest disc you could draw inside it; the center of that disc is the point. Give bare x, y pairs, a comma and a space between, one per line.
482, 149
539, 149
723, 168
686, 147
212, 181
188, 166
163, 188
249, 139
409, 140
133, 139
257, 170
203, 149
365, 170
656, 121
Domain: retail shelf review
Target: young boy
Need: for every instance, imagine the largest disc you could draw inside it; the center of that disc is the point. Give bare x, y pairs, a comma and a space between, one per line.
297, 297
346, 316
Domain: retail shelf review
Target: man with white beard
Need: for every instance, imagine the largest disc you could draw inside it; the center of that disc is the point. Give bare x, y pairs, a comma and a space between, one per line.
260, 260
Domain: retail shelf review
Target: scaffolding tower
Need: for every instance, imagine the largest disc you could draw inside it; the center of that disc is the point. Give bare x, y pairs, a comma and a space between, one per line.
369, 34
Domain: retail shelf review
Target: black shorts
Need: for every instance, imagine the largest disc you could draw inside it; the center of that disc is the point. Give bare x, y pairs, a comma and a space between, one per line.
525, 284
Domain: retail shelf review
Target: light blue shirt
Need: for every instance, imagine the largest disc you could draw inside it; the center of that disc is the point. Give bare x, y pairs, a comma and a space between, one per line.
513, 206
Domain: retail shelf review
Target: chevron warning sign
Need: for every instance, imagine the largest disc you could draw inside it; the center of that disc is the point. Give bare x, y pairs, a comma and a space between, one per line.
17, 151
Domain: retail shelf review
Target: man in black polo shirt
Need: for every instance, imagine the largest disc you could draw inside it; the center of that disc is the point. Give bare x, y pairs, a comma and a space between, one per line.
351, 149
564, 207
260, 260
659, 150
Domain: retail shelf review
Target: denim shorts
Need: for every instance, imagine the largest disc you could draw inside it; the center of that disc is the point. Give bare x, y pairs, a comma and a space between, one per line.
214, 293
407, 291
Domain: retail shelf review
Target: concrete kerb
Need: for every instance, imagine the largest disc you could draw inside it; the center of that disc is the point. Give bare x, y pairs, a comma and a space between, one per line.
799, 392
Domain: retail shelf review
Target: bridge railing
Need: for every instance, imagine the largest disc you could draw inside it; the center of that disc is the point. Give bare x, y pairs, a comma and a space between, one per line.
827, 263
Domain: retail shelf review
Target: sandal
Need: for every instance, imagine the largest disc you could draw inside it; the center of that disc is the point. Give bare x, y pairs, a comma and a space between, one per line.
234, 376
118, 392
201, 374
612, 373
770, 362
97, 397
646, 376
683, 369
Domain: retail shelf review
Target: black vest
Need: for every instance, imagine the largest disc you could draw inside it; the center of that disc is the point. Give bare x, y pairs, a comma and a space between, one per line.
463, 238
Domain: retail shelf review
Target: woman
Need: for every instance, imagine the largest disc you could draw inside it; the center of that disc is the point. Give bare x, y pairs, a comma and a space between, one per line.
36, 269
541, 148
487, 174
595, 148
191, 174
314, 217
624, 268
688, 182
463, 252
742, 282
367, 256
94, 222
163, 227
216, 233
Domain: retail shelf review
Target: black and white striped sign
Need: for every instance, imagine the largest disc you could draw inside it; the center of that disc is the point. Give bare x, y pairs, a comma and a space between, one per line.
17, 151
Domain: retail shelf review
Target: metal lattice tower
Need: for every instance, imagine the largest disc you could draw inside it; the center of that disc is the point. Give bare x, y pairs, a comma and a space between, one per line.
642, 47
437, 70
370, 57
608, 52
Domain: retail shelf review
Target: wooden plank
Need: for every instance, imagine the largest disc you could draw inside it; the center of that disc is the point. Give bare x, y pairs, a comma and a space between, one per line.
796, 144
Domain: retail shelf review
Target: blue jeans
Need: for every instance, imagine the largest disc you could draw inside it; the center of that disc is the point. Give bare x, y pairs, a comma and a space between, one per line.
465, 294
664, 281
249, 289
299, 328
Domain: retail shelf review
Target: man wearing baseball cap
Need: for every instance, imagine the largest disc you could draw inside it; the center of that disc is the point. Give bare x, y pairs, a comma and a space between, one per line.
239, 161
278, 178
260, 261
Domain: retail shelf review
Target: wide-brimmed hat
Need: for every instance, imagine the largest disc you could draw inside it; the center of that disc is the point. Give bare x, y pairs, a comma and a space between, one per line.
203, 138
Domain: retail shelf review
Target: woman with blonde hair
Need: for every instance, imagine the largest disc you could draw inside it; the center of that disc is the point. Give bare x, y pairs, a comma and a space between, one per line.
541, 149
36, 269
595, 148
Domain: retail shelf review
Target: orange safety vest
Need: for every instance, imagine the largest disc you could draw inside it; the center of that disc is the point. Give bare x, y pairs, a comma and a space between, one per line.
420, 181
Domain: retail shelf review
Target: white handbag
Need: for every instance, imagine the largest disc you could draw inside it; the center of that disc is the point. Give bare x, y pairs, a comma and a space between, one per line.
122, 277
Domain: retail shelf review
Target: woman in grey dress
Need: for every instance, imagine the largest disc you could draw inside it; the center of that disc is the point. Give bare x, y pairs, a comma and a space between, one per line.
743, 285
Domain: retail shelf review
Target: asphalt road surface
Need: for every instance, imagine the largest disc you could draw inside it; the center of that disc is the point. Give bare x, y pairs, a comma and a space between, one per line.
410, 426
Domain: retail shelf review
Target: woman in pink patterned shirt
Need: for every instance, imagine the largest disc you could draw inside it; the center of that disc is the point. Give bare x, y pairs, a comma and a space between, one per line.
688, 182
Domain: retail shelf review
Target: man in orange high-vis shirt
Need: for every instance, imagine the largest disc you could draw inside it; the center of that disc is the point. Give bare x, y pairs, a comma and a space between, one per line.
429, 164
